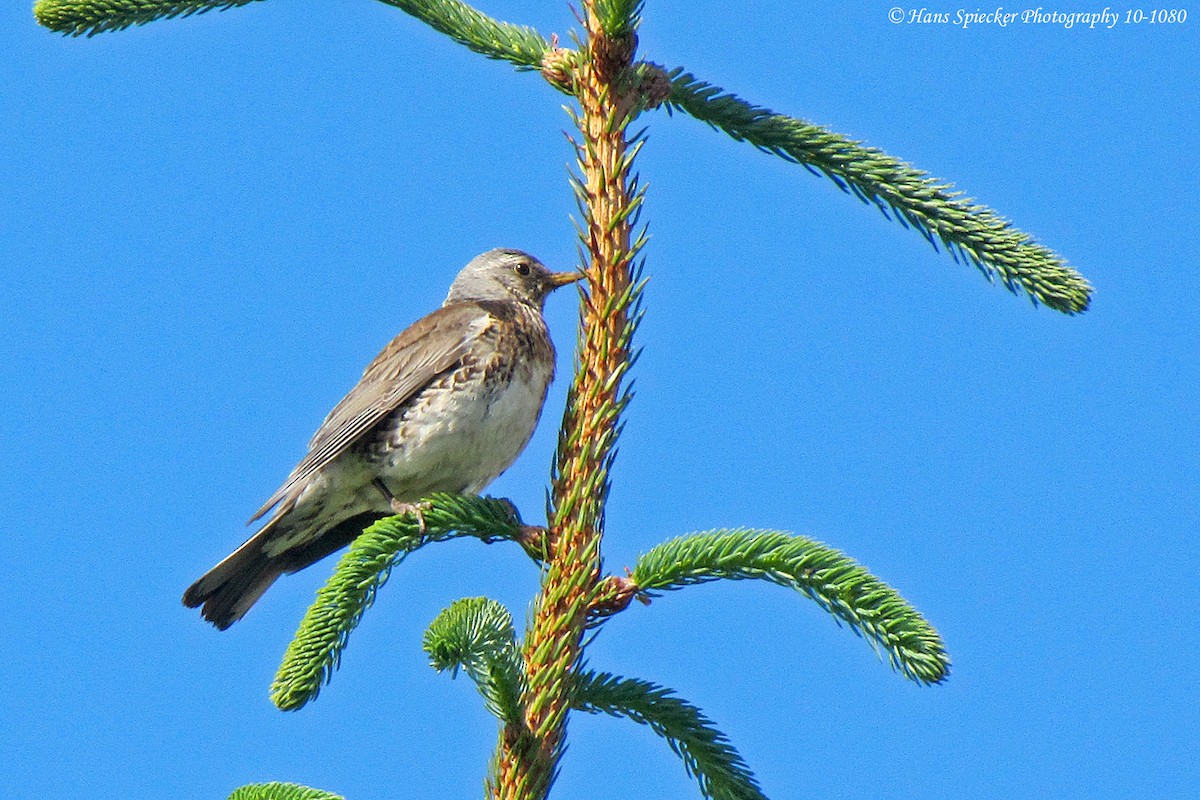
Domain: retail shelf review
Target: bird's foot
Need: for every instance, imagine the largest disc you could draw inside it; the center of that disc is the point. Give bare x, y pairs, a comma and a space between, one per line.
415, 509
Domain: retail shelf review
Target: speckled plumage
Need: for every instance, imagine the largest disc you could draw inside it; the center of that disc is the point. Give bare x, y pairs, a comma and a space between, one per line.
447, 406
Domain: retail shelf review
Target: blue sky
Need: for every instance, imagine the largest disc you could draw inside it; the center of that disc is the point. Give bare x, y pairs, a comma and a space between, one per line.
211, 225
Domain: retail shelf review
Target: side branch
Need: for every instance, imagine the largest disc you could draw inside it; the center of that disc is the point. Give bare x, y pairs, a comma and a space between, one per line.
706, 752
476, 633
316, 649
970, 231
837, 583
281, 791
89, 17
518, 44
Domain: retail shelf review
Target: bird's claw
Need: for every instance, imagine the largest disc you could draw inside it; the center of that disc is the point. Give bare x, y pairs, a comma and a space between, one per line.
415, 509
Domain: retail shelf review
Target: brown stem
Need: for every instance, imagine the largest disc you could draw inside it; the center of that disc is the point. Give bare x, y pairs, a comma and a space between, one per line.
526, 764
613, 595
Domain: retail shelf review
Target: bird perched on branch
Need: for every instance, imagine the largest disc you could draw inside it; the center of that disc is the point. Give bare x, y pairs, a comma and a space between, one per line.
447, 406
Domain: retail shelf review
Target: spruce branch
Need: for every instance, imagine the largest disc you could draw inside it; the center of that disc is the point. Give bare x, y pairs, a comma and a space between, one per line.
468, 26
706, 752
970, 232
316, 649
619, 18
89, 17
518, 44
837, 583
280, 791
476, 634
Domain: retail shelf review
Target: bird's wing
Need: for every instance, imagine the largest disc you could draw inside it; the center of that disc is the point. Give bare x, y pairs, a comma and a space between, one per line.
432, 345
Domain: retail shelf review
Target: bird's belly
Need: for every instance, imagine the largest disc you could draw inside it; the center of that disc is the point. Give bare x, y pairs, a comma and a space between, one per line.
461, 440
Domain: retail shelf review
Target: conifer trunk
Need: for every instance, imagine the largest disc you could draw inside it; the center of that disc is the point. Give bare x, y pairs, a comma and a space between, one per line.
527, 759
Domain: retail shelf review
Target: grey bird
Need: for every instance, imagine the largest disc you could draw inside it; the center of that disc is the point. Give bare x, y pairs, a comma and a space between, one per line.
447, 406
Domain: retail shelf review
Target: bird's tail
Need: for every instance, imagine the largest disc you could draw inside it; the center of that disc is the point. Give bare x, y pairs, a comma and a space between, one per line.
228, 590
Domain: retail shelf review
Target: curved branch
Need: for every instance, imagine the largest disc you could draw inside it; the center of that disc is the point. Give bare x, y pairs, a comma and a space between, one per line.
316, 649
504, 41
706, 752
476, 633
970, 231
280, 791
89, 17
836, 582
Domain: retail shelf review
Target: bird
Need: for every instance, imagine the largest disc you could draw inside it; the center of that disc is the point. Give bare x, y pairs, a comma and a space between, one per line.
446, 406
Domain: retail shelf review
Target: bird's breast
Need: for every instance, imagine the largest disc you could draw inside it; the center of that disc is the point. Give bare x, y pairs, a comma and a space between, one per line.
469, 425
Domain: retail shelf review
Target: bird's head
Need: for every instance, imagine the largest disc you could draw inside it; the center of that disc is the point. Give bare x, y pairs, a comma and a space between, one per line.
511, 275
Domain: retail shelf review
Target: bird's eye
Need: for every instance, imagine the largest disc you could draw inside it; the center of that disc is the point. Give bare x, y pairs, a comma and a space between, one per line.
522, 269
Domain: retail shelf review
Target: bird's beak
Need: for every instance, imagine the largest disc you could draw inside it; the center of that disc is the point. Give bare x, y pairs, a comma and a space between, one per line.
557, 279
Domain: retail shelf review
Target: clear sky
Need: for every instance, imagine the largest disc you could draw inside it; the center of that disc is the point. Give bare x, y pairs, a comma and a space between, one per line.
210, 225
